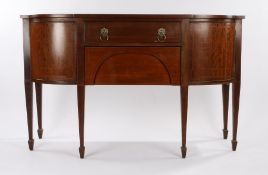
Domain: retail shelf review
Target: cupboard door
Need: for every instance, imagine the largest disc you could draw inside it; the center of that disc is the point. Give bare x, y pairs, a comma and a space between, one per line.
212, 46
53, 51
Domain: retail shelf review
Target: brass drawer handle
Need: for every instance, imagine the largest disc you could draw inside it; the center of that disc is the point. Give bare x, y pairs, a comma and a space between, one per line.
161, 34
104, 34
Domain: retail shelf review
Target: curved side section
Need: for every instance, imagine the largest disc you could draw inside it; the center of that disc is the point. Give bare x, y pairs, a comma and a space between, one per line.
212, 50
53, 52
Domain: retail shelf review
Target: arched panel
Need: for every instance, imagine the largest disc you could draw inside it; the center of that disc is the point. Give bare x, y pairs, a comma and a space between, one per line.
111, 65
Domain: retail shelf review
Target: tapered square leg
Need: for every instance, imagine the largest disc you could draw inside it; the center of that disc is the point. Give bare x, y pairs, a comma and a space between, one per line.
29, 108
81, 111
225, 99
38, 90
184, 106
237, 81
236, 95
185, 73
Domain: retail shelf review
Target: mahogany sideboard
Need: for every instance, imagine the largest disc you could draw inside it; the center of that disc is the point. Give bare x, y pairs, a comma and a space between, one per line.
97, 49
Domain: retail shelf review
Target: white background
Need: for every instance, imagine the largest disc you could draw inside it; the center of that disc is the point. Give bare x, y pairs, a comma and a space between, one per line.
144, 114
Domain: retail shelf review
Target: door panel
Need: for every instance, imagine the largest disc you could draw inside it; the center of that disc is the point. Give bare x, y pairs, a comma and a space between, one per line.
53, 51
212, 45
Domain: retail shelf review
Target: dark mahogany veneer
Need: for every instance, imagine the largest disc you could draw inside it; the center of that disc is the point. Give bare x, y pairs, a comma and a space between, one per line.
181, 50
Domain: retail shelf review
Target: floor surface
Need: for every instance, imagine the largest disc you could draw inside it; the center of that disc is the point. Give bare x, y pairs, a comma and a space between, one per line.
205, 155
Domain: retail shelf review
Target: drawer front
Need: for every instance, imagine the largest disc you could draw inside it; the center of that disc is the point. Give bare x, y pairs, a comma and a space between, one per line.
132, 32
132, 65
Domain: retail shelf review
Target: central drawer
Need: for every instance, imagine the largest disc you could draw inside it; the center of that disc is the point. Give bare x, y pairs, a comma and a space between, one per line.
132, 65
132, 32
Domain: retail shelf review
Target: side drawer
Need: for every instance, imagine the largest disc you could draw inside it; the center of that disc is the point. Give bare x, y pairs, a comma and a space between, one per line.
132, 65
132, 32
